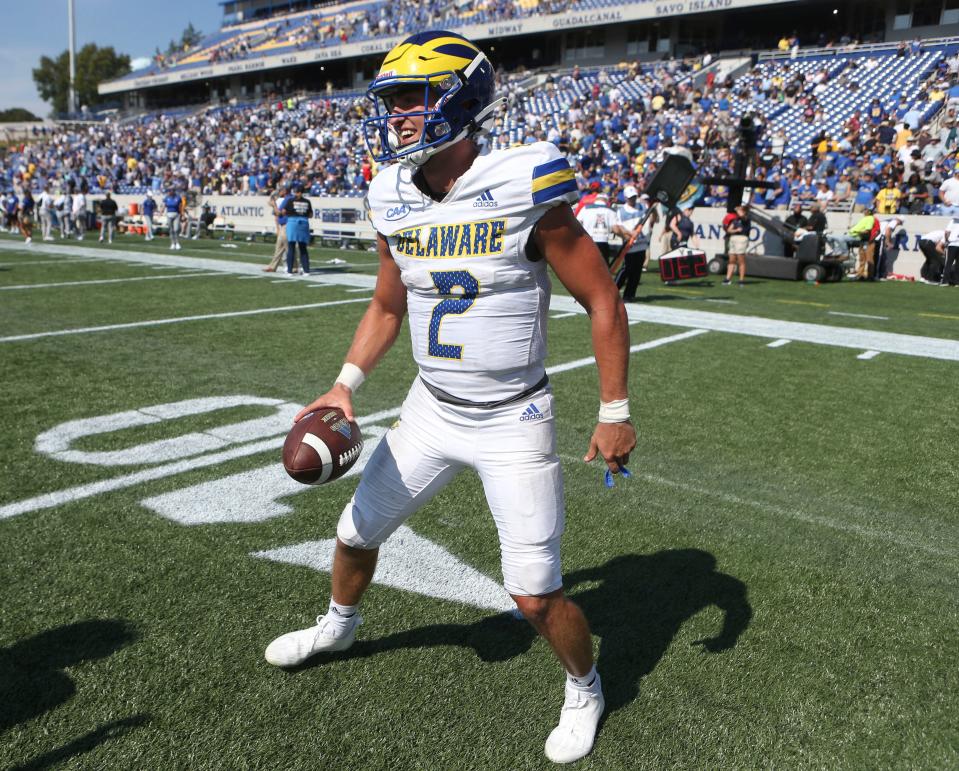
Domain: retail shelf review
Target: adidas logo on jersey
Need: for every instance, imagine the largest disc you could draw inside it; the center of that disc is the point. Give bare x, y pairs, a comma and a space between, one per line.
485, 201
531, 413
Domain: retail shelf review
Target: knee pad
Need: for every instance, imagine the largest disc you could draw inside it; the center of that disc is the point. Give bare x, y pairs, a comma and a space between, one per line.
533, 570
351, 530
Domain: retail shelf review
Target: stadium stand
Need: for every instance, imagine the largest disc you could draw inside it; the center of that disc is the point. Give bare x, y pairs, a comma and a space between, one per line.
819, 113
354, 23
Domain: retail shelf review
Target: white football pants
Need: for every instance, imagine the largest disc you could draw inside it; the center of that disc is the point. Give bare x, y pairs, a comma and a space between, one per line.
512, 448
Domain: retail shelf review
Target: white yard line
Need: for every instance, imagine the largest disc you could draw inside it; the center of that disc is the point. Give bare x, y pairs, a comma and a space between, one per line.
867, 355
49, 500
774, 329
802, 516
53, 262
107, 281
858, 315
787, 513
778, 343
178, 320
557, 368
756, 326
80, 492
563, 315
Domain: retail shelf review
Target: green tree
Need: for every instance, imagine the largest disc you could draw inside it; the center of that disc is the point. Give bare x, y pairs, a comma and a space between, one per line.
94, 65
188, 38
16, 115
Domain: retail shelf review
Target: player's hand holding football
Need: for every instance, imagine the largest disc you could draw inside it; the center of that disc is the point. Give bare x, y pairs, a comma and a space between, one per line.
338, 396
613, 442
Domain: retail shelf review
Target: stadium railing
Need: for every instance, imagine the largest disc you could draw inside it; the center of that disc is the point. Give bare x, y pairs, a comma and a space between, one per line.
855, 49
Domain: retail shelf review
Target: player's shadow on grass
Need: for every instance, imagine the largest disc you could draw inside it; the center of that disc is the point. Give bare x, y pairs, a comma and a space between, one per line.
493, 638
636, 604
32, 680
90, 740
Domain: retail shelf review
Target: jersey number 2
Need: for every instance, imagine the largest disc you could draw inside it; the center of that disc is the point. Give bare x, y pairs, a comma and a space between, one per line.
445, 281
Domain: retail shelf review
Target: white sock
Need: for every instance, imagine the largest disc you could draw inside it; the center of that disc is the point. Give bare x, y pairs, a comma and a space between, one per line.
587, 682
341, 613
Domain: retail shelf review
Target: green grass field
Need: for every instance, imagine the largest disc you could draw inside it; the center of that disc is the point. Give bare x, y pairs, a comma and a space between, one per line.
776, 587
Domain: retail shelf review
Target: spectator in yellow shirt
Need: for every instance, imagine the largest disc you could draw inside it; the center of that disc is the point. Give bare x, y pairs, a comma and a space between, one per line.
889, 198
903, 137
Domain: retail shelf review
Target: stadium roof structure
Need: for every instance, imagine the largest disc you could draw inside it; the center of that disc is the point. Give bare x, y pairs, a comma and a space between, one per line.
196, 67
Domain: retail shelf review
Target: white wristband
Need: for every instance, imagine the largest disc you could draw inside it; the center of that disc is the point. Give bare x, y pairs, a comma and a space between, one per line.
614, 412
351, 376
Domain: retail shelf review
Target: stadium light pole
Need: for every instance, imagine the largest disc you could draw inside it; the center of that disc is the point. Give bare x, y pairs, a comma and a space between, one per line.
72, 46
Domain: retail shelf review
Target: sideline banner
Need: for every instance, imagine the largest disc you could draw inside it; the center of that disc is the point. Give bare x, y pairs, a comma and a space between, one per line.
335, 217
252, 213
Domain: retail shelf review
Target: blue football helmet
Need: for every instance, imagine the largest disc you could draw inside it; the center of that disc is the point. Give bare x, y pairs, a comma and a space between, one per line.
458, 84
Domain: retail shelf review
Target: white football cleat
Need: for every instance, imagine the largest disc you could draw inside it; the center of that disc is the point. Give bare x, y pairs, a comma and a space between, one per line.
573, 738
291, 650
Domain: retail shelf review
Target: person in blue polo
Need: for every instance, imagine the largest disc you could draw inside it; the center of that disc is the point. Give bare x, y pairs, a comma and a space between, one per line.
865, 193
298, 211
173, 204
149, 207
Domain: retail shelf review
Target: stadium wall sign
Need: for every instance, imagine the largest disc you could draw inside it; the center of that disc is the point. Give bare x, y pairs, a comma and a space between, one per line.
346, 216
644, 9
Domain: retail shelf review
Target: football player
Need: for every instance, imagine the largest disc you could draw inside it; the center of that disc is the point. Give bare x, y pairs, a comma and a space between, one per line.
465, 237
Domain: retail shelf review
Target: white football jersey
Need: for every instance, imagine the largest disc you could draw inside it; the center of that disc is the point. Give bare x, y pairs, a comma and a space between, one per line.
477, 305
598, 221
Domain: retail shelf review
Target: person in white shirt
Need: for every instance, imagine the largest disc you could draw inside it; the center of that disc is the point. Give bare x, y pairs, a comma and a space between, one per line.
891, 233
45, 212
79, 214
933, 152
630, 215
598, 220
824, 195
949, 194
933, 247
905, 152
950, 273
64, 207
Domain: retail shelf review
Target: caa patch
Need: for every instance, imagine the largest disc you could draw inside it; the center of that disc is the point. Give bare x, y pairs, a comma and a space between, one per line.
396, 212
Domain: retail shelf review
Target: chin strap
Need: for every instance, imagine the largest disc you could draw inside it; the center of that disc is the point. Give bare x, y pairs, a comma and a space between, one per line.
483, 122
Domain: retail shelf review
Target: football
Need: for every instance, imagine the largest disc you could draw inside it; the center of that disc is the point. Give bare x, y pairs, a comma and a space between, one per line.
321, 447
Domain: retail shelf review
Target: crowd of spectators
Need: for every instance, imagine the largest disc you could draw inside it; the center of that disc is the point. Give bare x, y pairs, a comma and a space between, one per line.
614, 125
385, 19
